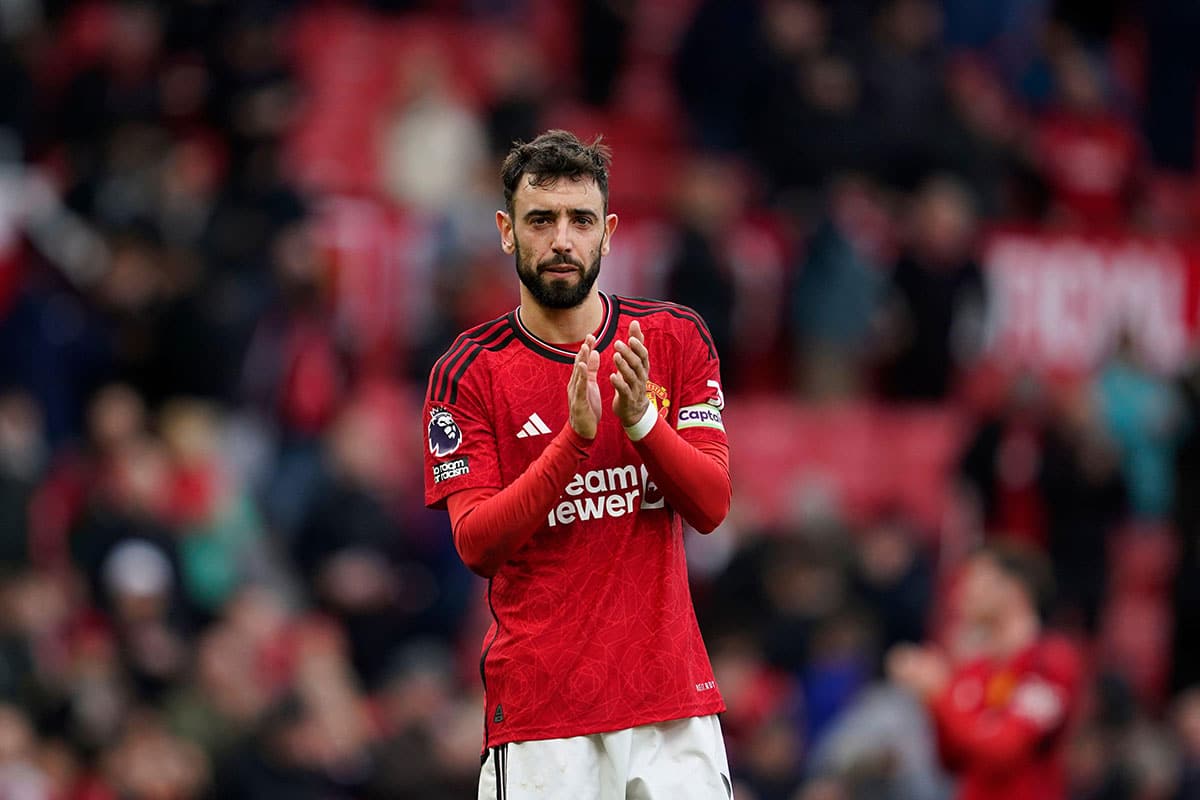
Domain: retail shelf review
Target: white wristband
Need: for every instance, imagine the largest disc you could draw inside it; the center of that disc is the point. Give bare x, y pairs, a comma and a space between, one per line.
638, 430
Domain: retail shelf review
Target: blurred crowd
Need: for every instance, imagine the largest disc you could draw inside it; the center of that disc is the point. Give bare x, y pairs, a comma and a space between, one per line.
217, 577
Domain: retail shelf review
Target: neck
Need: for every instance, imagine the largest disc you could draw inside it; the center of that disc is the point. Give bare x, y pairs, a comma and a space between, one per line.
562, 325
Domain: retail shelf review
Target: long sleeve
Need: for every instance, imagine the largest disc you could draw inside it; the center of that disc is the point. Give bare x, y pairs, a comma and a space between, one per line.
692, 475
490, 524
984, 741
993, 740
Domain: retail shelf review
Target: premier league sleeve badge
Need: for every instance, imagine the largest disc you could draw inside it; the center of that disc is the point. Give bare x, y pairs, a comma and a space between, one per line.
444, 434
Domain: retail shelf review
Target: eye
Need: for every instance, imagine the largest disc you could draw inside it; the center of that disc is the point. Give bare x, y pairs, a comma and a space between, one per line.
583, 222
539, 222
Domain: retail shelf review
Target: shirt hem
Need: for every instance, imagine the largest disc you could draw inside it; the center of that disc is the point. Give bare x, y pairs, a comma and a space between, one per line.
560, 732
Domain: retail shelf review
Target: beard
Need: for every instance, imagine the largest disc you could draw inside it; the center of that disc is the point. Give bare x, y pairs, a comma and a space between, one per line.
552, 291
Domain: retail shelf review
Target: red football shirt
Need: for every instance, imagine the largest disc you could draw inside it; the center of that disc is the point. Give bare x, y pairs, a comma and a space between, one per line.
1002, 726
593, 627
1090, 164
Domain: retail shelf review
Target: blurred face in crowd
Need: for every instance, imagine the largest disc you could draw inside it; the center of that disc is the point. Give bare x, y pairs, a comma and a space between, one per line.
912, 25
557, 232
22, 450
148, 763
116, 416
944, 221
987, 594
1079, 85
711, 195
796, 28
140, 477
831, 85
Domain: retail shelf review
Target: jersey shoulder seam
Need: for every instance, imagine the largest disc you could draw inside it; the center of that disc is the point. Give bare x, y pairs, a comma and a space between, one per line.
646, 306
449, 370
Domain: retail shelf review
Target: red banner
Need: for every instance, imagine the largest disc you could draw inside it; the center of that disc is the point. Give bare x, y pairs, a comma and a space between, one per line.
1060, 302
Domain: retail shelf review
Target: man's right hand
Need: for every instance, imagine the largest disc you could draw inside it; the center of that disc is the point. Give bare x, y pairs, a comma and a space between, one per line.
583, 390
923, 670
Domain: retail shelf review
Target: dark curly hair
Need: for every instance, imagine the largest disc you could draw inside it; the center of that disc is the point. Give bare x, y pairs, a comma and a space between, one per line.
553, 155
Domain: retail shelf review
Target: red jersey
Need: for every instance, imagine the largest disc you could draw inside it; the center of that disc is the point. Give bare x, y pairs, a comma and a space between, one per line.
1002, 726
1090, 164
593, 627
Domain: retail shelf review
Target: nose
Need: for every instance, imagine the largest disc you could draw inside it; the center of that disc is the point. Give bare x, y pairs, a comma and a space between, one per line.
562, 236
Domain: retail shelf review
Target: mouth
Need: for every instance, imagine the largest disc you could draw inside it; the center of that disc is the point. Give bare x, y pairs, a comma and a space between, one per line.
561, 269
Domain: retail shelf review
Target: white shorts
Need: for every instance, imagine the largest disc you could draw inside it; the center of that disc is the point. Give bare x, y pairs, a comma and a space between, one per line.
683, 758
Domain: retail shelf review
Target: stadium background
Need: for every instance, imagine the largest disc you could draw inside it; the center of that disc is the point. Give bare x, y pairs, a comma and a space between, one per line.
947, 250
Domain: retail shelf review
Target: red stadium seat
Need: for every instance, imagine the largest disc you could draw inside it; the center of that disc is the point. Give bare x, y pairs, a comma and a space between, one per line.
864, 458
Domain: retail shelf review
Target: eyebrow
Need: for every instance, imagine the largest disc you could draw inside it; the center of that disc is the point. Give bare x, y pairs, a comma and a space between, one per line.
573, 212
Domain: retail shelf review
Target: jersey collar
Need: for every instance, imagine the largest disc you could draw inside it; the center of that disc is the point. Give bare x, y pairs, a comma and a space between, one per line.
608, 329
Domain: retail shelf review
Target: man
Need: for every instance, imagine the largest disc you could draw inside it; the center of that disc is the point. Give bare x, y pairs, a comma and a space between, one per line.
569, 440
1002, 715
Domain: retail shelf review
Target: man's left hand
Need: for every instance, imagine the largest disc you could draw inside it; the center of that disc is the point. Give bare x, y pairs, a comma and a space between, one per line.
632, 361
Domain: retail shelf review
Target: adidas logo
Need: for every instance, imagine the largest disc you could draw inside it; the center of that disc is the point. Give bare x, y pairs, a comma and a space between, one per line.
533, 427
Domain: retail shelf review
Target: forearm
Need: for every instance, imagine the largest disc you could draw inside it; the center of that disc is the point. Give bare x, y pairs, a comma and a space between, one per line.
491, 525
693, 477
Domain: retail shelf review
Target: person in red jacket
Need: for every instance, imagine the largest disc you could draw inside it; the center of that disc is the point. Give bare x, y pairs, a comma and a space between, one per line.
1003, 711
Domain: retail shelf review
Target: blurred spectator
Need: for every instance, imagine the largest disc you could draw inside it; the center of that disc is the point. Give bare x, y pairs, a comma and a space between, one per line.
1085, 499
353, 553
772, 761
753, 690
838, 288
840, 664
517, 77
806, 585
293, 376
1090, 158
812, 124
1004, 461
116, 418
253, 84
222, 545
1141, 412
1001, 711
131, 559
23, 458
718, 72
148, 763
414, 753
433, 144
1185, 515
903, 86
883, 746
47, 325
932, 325
983, 140
701, 274
21, 778
118, 90
230, 693
895, 579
